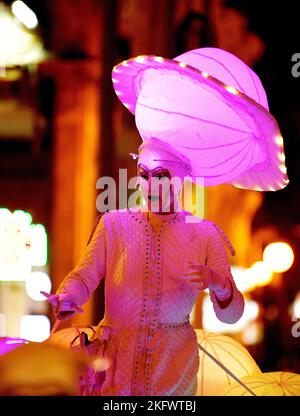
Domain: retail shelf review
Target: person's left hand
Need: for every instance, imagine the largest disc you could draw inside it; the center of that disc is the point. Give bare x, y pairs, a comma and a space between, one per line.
202, 277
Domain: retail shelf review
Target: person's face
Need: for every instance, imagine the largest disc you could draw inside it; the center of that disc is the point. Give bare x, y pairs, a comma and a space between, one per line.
157, 188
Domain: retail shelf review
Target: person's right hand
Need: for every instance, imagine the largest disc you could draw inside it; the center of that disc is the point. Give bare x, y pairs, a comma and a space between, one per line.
63, 304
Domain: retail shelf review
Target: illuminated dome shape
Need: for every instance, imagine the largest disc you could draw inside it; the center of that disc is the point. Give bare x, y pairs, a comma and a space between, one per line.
65, 338
213, 380
278, 256
68, 338
279, 383
39, 369
211, 107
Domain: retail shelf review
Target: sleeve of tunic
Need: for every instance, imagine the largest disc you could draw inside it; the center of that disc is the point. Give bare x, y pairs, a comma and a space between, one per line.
217, 260
90, 269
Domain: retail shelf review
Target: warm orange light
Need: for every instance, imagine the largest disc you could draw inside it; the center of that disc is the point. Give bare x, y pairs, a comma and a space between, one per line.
278, 256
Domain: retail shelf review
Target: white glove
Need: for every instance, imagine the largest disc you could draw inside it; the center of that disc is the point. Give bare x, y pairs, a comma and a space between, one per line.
63, 305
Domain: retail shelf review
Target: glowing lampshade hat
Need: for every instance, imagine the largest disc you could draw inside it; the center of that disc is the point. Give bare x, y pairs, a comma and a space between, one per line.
211, 108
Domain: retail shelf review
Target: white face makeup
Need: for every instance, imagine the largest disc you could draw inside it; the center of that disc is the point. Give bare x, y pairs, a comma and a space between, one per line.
160, 177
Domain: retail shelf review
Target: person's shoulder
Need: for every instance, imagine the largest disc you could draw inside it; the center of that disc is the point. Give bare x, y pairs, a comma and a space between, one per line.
199, 222
115, 214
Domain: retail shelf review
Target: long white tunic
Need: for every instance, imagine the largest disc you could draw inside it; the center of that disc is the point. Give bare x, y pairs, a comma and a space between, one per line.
146, 329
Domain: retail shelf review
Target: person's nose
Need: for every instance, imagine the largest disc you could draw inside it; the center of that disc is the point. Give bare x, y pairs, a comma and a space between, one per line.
153, 185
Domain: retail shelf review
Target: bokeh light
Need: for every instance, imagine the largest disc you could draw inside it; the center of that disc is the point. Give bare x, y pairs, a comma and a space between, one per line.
36, 282
278, 256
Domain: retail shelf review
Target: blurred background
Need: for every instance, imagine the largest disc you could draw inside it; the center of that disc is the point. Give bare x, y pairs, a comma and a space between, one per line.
62, 127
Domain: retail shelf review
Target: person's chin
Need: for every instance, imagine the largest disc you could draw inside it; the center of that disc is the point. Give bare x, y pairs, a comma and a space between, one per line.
155, 205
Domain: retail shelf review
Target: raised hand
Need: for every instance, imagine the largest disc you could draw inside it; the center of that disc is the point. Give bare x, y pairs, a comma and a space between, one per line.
201, 277
63, 305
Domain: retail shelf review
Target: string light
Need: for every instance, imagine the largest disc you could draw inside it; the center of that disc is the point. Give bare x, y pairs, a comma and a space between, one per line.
24, 14
140, 59
231, 89
279, 140
283, 168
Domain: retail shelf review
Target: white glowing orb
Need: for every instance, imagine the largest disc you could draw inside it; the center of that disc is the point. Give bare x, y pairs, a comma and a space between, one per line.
213, 324
253, 333
22, 245
243, 279
36, 282
24, 14
278, 256
18, 46
296, 306
38, 252
262, 274
35, 328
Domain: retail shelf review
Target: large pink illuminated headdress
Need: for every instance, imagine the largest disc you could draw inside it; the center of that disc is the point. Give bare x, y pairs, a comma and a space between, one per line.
211, 108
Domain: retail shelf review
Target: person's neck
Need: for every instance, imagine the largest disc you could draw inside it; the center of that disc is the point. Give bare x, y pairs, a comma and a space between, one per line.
163, 212
170, 212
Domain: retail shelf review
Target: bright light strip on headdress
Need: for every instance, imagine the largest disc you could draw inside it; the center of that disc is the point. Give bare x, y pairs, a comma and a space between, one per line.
279, 140
183, 64
205, 74
281, 157
140, 59
283, 168
24, 14
158, 59
231, 90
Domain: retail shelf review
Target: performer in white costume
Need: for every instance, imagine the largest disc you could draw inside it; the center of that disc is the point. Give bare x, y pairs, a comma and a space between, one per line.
154, 261
148, 295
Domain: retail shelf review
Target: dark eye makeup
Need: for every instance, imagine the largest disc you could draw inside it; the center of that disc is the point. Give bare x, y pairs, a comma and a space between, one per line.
157, 173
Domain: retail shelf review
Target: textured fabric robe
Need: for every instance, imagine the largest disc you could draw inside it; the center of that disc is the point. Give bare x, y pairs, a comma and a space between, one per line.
146, 328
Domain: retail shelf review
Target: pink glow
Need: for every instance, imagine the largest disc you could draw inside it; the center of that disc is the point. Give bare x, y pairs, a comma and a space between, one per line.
9, 344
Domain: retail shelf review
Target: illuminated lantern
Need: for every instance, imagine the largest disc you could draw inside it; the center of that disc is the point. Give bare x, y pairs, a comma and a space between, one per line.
279, 383
211, 108
39, 369
212, 379
67, 337
74, 339
278, 256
